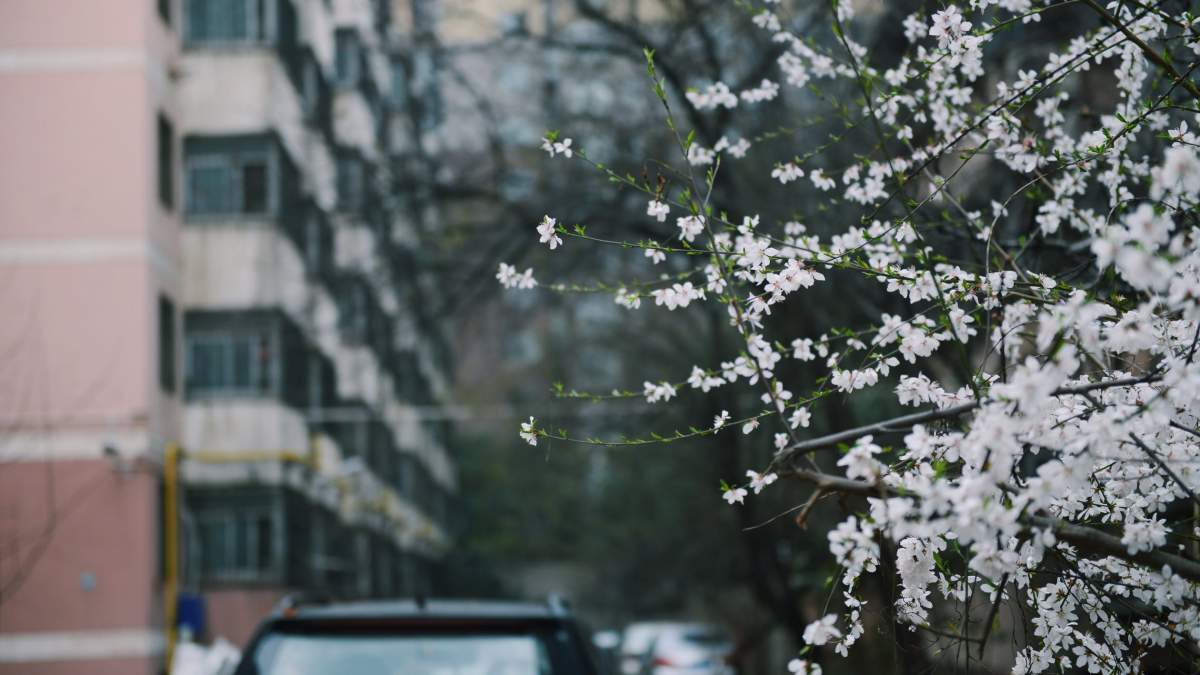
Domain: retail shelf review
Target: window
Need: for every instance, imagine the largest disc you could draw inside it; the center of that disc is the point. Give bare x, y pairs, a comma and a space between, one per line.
316, 248
352, 312
348, 59
351, 182
424, 83
236, 544
316, 379
399, 89
166, 343
230, 182
166, 162
310, 80
230, 363
254, 187
217, 21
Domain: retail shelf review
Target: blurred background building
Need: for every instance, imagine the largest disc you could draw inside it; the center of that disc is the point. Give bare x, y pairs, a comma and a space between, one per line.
218, 383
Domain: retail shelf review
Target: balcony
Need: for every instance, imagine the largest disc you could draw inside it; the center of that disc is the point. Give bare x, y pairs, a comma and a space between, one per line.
244, 86
356, 124
242, 268
244, 425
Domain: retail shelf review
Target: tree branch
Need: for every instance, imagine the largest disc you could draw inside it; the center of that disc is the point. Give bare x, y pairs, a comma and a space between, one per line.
1146, 49
793, 453
1081, 536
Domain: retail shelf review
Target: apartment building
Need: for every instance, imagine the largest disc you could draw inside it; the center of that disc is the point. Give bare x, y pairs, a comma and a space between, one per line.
217, 374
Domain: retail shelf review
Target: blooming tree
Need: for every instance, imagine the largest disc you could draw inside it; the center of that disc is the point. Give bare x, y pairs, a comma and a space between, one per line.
1049, 335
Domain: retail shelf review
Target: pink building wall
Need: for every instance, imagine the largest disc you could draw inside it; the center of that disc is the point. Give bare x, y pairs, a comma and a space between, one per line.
85, 250
81, 559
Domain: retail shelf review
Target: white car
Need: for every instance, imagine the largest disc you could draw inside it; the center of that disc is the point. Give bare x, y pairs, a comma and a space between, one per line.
675, 648
636, 642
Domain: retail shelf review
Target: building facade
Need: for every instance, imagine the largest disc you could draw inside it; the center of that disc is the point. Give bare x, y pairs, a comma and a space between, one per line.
217, 372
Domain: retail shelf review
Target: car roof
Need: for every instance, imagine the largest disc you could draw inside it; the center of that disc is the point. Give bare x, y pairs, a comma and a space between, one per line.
429, 609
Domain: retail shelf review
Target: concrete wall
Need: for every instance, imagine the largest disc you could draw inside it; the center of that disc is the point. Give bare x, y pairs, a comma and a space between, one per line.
251, 424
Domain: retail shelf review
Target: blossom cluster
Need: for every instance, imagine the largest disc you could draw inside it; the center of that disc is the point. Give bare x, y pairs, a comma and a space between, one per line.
1043, 321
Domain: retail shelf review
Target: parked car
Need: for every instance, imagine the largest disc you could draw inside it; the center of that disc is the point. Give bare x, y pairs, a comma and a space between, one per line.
419, 638
670, 647
636, 642
675, 648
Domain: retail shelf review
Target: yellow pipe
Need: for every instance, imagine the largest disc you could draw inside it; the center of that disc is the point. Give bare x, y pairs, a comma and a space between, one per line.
170, 544
314, 452
236, 457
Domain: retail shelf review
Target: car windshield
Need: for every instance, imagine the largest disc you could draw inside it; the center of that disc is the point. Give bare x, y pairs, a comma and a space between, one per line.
705, 638
310, 654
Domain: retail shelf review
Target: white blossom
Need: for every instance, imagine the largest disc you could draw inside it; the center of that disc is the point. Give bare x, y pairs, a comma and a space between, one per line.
555, 147
663, 391
715, 95
690, 227
822, 631
546, 229
529, 432
510, 278
758, 481
657, 210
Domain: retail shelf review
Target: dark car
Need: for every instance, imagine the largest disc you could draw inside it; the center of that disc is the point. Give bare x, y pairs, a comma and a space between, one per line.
414, 637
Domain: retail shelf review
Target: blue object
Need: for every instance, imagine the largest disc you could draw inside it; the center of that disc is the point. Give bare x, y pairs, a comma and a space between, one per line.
189, 613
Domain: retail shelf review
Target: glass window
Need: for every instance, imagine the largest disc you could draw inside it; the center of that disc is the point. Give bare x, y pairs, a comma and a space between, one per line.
241, 539
240, 376
254, 186
315, 383
350, 182
166, 343
311, 87
263, 368
347, 59
226, 20
229, 182
235, 544
352, 311
305, 654
230, 363
399, 92
166, 162
313, 249
264, 554
210, 187
212, 545
206, 361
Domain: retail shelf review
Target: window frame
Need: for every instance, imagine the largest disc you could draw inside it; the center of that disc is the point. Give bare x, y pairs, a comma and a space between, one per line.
168, 359
261, 21
165, 149
350, 72
227, 521
260, 383
235, 163
346, 202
